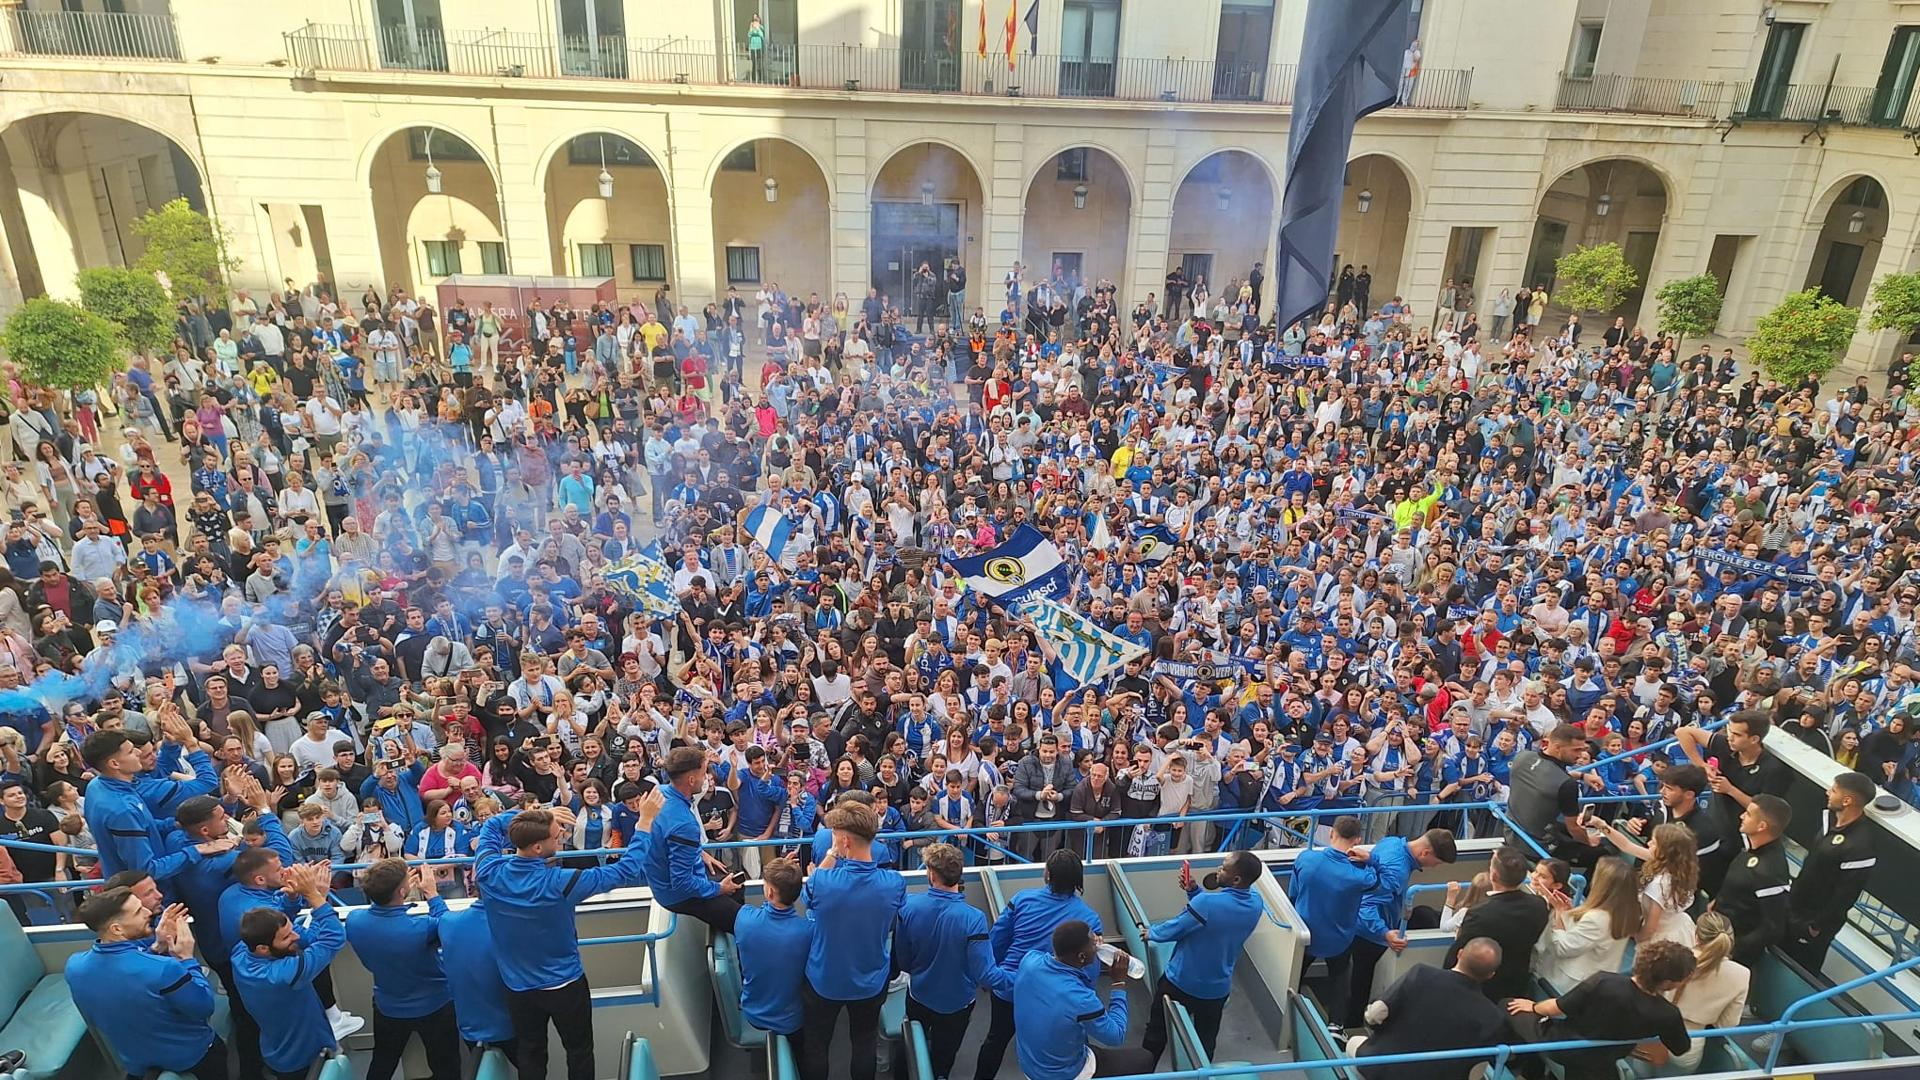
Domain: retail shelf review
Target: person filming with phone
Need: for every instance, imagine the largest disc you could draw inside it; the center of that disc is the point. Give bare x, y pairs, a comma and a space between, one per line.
677, 864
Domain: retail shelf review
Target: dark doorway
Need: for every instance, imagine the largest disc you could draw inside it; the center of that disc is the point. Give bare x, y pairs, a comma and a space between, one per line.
906, 234
1843, 263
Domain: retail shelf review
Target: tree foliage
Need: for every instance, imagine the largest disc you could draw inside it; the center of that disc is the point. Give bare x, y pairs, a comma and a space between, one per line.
1896, 303
61, 345
1593, 278
1689, 306
1802, 337
132, 300
187, 250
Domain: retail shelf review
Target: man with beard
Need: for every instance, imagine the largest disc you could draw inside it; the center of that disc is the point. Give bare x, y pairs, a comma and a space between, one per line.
274, 966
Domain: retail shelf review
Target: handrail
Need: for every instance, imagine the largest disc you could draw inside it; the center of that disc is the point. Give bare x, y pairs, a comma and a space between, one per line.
1638, 751
673, 921
1502, 1051
1786, 1015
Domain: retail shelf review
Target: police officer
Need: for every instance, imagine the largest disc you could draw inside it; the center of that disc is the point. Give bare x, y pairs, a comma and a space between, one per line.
1328, 883
676, 865
853, 904
140, 988
1208, 936
274, 966
1063, 1014
401, 951
1026, 925
1833, 874
942, 945
1754, 896
770, 945
530, 927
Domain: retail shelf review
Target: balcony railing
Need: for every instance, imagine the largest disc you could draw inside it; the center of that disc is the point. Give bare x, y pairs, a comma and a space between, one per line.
89, 33
502, 54
1853, 106
1694, 98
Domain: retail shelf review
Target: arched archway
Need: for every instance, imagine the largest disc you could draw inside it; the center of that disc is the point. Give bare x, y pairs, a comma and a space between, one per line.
1612, 200
929, 206
606, 204
1222, 221
78, 183
436, 209
1375, 210
770, 218
1079, 210
1848, 245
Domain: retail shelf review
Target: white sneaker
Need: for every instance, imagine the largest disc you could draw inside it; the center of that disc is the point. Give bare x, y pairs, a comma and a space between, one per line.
345, 1024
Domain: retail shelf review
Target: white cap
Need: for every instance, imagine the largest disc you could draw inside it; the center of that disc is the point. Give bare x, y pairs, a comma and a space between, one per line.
106, 626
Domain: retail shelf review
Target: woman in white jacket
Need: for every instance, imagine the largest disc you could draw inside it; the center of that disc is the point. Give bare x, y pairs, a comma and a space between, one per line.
1580, 941
1716, 995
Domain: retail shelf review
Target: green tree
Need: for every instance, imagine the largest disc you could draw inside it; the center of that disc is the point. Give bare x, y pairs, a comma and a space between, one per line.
1896, 304
62, 345
1802, 337
1593, 278
187, 250
132, 300
1689, 306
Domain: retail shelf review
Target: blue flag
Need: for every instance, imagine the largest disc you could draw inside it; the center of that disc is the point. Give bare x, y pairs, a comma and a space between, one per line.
1082, 652
1026, 564
1154, 543
644, 580
769, 527
1350, 64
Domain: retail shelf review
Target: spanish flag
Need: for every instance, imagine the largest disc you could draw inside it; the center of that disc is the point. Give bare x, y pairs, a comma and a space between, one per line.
983, 29
1013, 29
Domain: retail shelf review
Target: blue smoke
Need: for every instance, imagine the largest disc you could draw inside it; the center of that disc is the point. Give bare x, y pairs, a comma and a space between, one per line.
184, 628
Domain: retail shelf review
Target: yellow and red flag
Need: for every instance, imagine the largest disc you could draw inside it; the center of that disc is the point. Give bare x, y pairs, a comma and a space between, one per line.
1013, 29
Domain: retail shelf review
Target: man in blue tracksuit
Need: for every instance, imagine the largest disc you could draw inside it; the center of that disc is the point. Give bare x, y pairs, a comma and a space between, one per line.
274, 966
676, 865
1208, 935
257, 876
473, 975
942, 944
1328, 884
853, 904
1062, 1015
758, 794
143, 991
122, 824
201, 885
1026, 925
401, 951
157, 787
531, 929
1381, 910
771, 942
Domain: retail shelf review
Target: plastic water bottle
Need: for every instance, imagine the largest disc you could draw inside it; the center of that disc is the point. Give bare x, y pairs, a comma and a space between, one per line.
1136, 967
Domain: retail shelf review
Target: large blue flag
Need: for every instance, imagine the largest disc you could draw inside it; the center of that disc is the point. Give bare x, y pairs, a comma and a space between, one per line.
1083, 652
1154, 543
1350, 64
644, 580
1024, 564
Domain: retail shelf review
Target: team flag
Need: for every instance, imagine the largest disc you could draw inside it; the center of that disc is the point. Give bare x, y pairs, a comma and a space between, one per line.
1083, 652
644, 580
1154, 543
768, 527
1025, 565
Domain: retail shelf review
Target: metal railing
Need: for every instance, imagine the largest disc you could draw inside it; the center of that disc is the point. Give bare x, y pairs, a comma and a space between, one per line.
89, 33
503, 54
1697, 99
1700, 99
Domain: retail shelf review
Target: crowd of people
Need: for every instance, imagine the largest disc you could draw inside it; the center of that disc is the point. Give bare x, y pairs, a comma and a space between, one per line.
1405, 558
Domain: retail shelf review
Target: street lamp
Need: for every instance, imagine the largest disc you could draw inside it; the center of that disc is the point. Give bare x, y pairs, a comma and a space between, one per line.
1603, 204
772, 187
1225, 195
433, 171
1857, 221
926, 193
605, 177
1079, 196
1364, 201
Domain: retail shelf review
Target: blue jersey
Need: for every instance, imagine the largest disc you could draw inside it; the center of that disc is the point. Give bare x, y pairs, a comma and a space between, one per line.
1027, 923
942, 941
1326, 890
473, 975
771, 945
152, 1009
1208, 936
281, 987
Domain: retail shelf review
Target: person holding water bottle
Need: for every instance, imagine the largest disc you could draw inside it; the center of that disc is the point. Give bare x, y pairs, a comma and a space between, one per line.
1208, 936
1062, 1015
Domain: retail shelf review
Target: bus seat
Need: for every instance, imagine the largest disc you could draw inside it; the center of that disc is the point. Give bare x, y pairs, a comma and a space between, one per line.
725, 964
42, 1020
642, 1067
